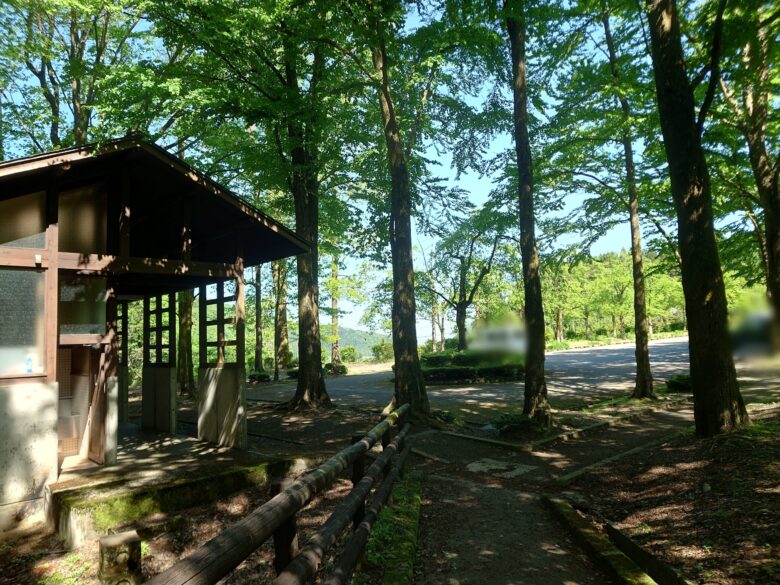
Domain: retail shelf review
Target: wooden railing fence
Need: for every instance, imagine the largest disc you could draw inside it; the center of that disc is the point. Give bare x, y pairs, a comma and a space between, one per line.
223, 553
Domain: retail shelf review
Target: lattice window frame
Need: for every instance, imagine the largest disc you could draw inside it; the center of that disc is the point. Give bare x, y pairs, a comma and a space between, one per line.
154, 348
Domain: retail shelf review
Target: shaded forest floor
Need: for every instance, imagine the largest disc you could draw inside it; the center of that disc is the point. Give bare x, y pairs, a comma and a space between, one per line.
708, 507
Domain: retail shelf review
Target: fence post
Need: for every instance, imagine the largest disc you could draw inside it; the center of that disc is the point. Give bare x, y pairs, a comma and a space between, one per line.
286, 536
358, 471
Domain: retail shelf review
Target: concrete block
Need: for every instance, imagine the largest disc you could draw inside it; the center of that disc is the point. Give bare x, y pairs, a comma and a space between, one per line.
112, 419
120, 559
28, 440
158, 399
222, 406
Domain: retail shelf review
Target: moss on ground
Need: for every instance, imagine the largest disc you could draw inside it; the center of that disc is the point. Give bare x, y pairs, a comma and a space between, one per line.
393, 543
109, 511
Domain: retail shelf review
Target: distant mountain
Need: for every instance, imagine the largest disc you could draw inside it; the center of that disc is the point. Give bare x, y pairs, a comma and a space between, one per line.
362, 340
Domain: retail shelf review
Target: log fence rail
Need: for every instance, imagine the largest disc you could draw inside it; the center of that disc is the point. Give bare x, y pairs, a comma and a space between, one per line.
276, 517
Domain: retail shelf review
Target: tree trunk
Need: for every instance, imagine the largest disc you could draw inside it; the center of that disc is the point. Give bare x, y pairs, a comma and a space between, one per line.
460, 323
766, 178
559, 324
335, 354
433, 327
587, 323
643, 387
281, 341
409, 387
535, 403
442, 324
622, 321
258, 319
184, 367
614, 327
718, 404
752, 114
304, 184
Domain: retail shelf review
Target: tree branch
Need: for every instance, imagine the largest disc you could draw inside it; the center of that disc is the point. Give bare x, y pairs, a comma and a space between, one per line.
437, 293
420, 110
717, 33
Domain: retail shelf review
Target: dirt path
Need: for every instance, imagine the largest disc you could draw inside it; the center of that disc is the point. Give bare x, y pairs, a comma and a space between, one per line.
472, 535
482, 518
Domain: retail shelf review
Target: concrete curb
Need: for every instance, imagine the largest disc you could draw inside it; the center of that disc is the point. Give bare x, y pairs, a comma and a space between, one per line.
614, 562
662, 573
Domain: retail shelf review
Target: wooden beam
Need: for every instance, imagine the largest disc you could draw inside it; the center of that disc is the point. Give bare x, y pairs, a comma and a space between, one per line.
25, 257
85, 339
104, 264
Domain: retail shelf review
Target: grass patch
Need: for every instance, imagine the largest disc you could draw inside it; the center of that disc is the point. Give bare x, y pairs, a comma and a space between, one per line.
393, 543
73, 573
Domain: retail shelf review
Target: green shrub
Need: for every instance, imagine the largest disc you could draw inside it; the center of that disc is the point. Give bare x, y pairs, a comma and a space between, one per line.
261, 376
679, 383
349, 354
471, 366
501, 372
268, 364
292, 373
335, 369
450, 374
383, 352
437, 359
555, 345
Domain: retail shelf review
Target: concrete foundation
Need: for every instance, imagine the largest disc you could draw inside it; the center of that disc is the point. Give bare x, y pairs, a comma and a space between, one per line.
158, 399
222, 406
28, 448
112, 419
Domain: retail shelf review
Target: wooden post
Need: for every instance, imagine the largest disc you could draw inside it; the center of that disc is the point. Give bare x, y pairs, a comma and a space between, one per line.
146, 357
286, 536
202, 337
221, 323
240, 314
358, 471
52, 296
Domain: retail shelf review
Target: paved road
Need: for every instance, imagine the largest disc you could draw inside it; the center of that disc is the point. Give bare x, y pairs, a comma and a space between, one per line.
573, 376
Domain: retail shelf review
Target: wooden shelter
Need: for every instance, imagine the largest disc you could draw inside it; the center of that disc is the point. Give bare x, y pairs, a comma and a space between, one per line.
82, 232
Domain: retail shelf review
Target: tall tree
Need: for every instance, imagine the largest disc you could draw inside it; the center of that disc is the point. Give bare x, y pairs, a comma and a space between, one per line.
643, 387
263, 68
65, 50
409, 386
281, 341
185, 372
335, 354
718, 404
536, 404
464, 258
748, 84
258, 285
